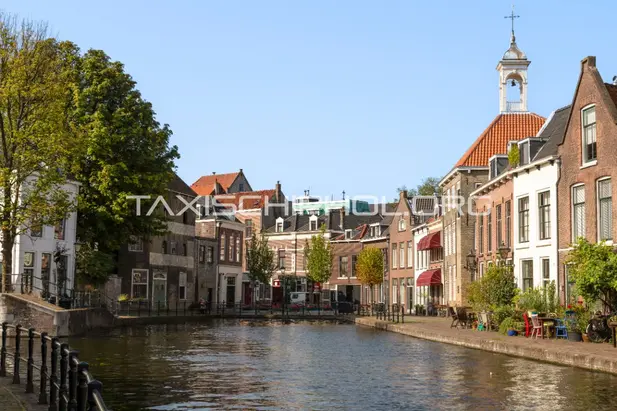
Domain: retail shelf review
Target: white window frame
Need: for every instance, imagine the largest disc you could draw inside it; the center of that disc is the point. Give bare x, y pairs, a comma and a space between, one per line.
598, 213
409, 254
401, 256
313, 219
401, 224
572, 222
182, 285
136, 245
146, 283
394, 255
280, 225
584, 161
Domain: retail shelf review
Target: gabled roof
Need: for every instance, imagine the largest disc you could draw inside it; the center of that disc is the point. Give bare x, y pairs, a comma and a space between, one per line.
178, 185
247, 200
553, 131
205, 184
494, 140
612, 92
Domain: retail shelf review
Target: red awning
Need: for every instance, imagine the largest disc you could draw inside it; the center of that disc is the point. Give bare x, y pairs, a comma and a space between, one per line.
429, 277
432, 240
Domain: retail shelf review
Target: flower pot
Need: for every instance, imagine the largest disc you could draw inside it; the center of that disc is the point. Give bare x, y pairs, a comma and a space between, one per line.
512, 333
575, 336
585, 338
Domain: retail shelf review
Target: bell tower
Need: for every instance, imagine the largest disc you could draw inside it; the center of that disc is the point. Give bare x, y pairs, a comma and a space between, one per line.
513, 76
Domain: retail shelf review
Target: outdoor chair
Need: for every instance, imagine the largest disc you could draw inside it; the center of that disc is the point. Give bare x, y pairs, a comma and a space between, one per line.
452, 313
483, 322
561, 331
461, 315
537, 327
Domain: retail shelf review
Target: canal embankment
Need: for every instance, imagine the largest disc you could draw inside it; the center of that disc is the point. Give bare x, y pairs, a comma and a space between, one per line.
590, 356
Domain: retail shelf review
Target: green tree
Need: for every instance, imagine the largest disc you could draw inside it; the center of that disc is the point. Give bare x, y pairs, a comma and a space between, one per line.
496, 288
369, 268
318, 254
593, 267
36, 138
428, 187
127, 153
260, 260
514, 156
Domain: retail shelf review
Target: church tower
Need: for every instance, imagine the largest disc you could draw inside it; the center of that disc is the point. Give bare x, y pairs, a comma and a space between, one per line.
513, 73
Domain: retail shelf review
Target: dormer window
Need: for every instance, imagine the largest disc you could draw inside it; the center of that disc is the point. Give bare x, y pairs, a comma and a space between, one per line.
589, 135
401, 224
347, 234
523, 149
279, 225
313, 223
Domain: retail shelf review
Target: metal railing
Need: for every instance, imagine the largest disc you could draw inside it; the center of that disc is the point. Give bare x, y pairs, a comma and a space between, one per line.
71, 386
394, 312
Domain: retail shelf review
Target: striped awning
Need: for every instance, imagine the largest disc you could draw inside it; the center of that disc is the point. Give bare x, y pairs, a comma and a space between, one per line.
429, 277
432, 240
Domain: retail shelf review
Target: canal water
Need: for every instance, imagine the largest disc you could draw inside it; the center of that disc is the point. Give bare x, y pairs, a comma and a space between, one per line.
229, 364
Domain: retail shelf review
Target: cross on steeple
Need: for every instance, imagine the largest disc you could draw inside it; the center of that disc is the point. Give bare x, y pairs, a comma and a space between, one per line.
512, 16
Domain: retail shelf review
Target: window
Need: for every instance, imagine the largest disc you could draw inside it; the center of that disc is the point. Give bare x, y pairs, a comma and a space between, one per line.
202, 253
524, 153
135, 244
248, 228
523, 220
401, 224
45, 270
544, 215
164, 247
279, 226
182, 286
210, 255
293, 262
238, 249
348, 234
139, 288
481, 235
508, 223
240, 186
185, 250
481, 270
29, 267
281, 258
499, 226
589, 135
401, 254
605, 210
578, 212
409, 253
527, 268
230, 249
223, 245
342, 266
354, 259
59, 230
313, 224
394, 256
185, 217
36, 229
489, 232
569, 285
546, 271
173, 247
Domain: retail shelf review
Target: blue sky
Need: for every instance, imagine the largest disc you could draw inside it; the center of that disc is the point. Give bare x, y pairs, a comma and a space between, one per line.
361, 96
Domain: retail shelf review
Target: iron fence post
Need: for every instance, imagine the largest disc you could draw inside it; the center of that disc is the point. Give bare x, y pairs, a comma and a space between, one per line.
53, 377
72, 376
30, 369
82, 388
43, 379
3, 351
17, 356
64, 359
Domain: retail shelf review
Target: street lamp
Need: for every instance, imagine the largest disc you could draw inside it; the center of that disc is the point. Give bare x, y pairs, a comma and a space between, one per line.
503, 252
471, 263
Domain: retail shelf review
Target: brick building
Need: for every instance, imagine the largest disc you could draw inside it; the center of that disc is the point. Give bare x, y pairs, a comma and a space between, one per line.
471, 171
401, 253
587, 151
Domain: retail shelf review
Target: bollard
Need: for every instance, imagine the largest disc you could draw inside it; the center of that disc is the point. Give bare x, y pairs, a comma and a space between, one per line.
403, 315
72, 377
3, 351
53, 377
30, 369
17, 356
43, 378
82, 388
64, 360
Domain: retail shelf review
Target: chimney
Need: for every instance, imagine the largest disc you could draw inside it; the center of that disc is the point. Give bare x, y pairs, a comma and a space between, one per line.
588, 62
214, 172
278, 193
402, 195
240, 170
342, 217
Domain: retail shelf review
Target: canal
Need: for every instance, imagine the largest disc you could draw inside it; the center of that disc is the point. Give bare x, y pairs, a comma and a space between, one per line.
322, 366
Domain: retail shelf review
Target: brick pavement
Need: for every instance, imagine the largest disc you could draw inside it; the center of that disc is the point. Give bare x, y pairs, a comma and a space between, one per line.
599, 357
13, 398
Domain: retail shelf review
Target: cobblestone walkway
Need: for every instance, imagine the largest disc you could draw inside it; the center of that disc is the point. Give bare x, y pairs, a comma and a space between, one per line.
13, 398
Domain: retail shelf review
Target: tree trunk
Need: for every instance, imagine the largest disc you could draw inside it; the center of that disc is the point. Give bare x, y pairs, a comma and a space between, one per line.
7, 260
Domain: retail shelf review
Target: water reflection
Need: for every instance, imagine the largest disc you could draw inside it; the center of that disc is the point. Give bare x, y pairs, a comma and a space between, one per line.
269, 366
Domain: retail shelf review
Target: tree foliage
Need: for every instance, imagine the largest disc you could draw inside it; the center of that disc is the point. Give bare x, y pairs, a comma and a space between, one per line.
496, 288
260, 260
369, 268
127, 153
318, 254
92, 266
593, 267
428, 187
37, 139
514, 156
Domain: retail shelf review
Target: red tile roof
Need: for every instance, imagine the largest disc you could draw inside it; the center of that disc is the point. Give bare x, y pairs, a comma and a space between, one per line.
205, 185
494, 140
247, 200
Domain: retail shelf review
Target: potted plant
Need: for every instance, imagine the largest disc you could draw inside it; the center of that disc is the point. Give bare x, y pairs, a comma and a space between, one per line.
508, 327
574, 332
583, 319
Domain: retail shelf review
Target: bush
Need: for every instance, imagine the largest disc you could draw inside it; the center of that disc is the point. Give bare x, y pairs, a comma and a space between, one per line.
495, 289
540, 299
503, 312
507, 324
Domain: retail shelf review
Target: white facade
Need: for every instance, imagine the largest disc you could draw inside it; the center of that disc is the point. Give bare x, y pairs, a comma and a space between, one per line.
36, 253
529, 182
421, 260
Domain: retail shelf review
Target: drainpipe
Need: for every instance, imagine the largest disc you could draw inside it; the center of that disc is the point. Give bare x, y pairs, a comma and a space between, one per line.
558, 164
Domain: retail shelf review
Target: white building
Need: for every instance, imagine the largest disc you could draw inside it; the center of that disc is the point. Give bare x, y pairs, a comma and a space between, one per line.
535, 204
46, 254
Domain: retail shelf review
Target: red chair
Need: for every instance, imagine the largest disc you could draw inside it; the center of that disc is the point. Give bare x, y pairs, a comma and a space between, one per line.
528, 327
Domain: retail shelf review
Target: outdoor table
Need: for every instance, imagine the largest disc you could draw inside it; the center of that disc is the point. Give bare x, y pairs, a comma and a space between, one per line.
542, 319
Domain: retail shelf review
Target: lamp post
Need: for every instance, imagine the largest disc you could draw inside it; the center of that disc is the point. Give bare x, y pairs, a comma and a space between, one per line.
503, 253
471, 263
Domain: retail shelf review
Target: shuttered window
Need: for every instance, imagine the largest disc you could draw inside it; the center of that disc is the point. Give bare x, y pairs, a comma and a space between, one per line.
605, 208
578, 212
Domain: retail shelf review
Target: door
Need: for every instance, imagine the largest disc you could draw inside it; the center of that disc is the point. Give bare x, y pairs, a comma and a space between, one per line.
159, 293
